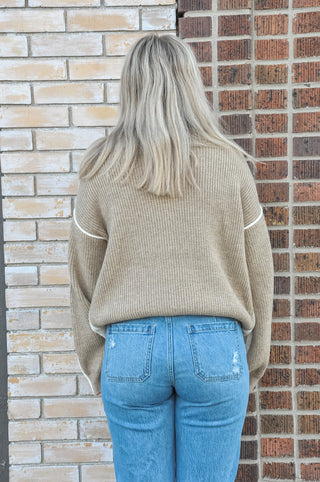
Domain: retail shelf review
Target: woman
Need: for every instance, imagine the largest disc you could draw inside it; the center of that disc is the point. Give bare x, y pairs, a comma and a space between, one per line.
171, 275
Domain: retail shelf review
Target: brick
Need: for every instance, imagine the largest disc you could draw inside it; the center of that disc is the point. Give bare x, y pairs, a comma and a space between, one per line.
60, 363
206, 75
307, 331
309, 424
272, 49
281, 261
30, 162
202, 51
55, 318
54, 275
307, 47
191, 5
68, 93
21, 275
307, 238
234, 74
250, 426
13, 139
119, 43
275, 400
310, 471
33, 116
269, 170
36, 207
233, 4
309, 308
281, 331
307, 354
39, 341
15, 93
158, 18
50, 184
43, 430
47, 473
270, 4
23, 364
33, 69
33, 20
249, 450
64, 3
235, 100
51, 230
95, 69
271, 24
271, 147
98, 115
271, 99
280, 355
307, 376
305, 3
306, 22
23, 408
306, 215
310, 284
77, 452
307, 262
194, 27
25, 453
101, 19
306, 72
279, 470
271, 74
277, 216
270, 123
282, 285
306, 146
277, 447
276, 377
98, 473
247, 473
307, 122
279, 239
306, 191
234, 25
308, 400
236, 123
276, 424
13, 45
73, 408
22, 320
309, 448
62, 45
281, 308
94, 429
31, 297
234, 49
77, 138
12, 3
17, 185
306, 98
41, 386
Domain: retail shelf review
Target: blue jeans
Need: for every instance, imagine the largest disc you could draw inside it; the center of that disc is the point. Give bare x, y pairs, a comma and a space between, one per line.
175, 391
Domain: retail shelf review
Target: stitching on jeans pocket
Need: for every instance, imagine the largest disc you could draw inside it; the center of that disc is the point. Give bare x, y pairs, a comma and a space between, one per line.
215, 350
128, 352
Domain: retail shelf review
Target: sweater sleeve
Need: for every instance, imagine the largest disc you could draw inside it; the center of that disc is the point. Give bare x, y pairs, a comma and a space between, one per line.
261, 274
88, 241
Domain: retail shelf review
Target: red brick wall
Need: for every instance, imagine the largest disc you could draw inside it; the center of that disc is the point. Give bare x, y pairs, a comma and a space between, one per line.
261, 69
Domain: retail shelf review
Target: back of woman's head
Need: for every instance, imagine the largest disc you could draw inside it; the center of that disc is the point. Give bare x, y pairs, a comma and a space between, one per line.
164, 112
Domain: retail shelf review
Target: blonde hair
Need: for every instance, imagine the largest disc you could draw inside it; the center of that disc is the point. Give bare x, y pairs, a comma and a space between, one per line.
164, 111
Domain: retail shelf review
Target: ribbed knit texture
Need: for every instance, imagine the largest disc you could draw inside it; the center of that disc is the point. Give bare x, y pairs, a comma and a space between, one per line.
133, 254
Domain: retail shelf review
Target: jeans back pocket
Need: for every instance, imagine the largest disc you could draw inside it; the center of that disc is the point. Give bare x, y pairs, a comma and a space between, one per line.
215, 349
128, 351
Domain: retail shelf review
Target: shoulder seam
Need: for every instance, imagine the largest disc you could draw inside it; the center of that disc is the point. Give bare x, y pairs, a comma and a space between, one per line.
85, 232
256, 220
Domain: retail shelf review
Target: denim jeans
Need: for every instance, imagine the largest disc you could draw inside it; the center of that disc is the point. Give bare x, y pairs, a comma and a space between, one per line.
175, 391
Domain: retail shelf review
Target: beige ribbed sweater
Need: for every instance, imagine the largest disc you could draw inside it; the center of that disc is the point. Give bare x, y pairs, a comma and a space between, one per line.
133, 254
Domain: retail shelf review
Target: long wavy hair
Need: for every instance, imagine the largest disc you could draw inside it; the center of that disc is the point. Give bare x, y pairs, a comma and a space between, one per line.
164, 112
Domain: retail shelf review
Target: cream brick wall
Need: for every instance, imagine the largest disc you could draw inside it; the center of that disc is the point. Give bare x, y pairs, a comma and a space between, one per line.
60, 67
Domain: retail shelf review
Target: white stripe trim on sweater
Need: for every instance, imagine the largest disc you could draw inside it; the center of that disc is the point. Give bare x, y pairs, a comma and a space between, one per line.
81, 229
256, 220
